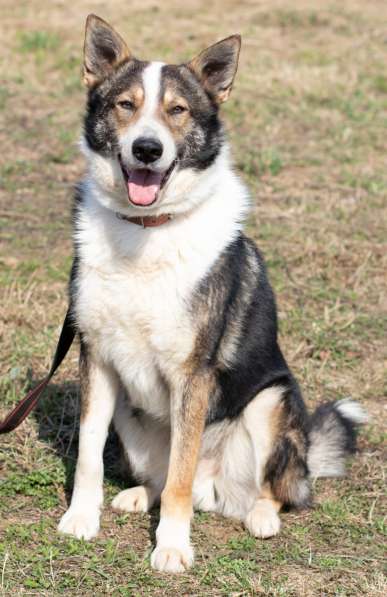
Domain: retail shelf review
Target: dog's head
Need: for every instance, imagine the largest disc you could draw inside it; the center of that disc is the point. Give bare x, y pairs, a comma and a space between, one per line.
151, 129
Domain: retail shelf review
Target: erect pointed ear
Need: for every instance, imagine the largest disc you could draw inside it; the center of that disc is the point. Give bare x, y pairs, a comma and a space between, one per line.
104, 50
216, 67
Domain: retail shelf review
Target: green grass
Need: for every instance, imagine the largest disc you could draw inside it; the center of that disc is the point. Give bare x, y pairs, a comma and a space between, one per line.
37, 41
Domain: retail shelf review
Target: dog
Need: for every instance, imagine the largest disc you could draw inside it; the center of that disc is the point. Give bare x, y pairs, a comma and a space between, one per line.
175, 314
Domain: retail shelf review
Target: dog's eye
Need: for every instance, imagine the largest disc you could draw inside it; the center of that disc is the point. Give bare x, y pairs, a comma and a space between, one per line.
126, 105
177, 110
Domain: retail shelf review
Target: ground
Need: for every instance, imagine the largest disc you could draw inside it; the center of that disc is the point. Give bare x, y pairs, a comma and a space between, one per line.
307, 121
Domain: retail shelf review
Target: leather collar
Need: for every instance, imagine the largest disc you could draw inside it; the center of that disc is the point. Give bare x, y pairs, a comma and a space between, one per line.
146, 221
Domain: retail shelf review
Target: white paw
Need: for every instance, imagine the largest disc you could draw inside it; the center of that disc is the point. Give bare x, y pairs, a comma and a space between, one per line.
263, 520
80, 523
170, 559
135, 499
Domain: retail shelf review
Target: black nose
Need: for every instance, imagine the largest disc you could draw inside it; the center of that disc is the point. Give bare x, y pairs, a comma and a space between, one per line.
147, 150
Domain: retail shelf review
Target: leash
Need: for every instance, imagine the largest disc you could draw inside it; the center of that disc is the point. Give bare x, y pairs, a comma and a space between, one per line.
28, 403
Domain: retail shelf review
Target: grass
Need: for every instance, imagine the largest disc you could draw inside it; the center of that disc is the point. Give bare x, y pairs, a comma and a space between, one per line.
35, 41
307, 123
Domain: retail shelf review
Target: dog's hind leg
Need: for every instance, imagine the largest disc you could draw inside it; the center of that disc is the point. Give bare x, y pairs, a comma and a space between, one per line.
263, 520
259, 420
99, 386
230, 475
135, 499
281, 469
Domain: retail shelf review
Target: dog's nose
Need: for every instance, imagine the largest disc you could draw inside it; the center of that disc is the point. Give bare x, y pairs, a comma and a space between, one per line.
147, 150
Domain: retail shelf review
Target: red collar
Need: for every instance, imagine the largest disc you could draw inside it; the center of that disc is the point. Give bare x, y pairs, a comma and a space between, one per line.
146, 221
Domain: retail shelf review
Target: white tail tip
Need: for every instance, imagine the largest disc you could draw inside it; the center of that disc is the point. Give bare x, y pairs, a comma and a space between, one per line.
352, 410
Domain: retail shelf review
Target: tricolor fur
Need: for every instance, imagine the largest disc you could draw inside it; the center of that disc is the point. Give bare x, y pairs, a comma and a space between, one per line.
178, 322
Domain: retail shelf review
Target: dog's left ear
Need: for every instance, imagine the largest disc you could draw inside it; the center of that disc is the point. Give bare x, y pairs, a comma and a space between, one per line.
216, 67
104, 50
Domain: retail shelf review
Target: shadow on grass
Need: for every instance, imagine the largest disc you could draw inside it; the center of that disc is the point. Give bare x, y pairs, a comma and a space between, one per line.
57, 418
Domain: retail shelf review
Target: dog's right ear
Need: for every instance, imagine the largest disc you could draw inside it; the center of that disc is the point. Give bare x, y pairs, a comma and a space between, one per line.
104, 50
216, 67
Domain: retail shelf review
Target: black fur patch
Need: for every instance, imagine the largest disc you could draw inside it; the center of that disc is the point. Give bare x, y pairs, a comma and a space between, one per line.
240, 317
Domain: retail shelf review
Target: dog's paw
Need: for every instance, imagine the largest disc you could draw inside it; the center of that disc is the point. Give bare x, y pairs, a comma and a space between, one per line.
172, 560
263, 520
135, 499
80, 523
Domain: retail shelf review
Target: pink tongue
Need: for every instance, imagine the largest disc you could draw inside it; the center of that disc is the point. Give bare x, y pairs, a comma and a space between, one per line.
143, 186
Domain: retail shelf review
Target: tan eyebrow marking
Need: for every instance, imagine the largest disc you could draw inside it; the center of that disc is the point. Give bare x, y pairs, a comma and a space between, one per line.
134, 94
180, 126
171, 97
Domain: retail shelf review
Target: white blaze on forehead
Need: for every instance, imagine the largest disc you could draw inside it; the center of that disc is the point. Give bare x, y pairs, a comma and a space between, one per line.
151, 80
149, 123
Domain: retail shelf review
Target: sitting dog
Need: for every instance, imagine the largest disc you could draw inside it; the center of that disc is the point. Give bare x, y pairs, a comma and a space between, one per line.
175, 314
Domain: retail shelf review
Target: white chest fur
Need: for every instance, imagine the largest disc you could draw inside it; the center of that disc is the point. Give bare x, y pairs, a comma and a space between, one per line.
134, 286
136, 319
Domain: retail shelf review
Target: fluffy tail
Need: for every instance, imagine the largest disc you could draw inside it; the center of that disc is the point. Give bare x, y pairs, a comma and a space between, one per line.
333, 437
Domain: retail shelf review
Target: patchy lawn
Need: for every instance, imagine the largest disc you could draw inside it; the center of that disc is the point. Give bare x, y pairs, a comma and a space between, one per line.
307, 121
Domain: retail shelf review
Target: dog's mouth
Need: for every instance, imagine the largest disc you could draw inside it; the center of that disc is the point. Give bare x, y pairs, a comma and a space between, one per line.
144, 185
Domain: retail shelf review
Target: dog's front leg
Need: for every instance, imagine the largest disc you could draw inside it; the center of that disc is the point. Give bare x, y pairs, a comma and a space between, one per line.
189, 403
99, 386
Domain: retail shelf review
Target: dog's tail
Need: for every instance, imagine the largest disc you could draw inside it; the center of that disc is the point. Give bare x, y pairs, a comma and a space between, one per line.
332, 436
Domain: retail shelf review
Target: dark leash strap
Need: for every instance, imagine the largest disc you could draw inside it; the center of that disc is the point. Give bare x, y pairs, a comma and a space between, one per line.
25, 406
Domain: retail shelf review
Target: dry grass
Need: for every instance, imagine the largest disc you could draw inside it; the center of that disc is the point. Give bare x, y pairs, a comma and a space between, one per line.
307, 121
